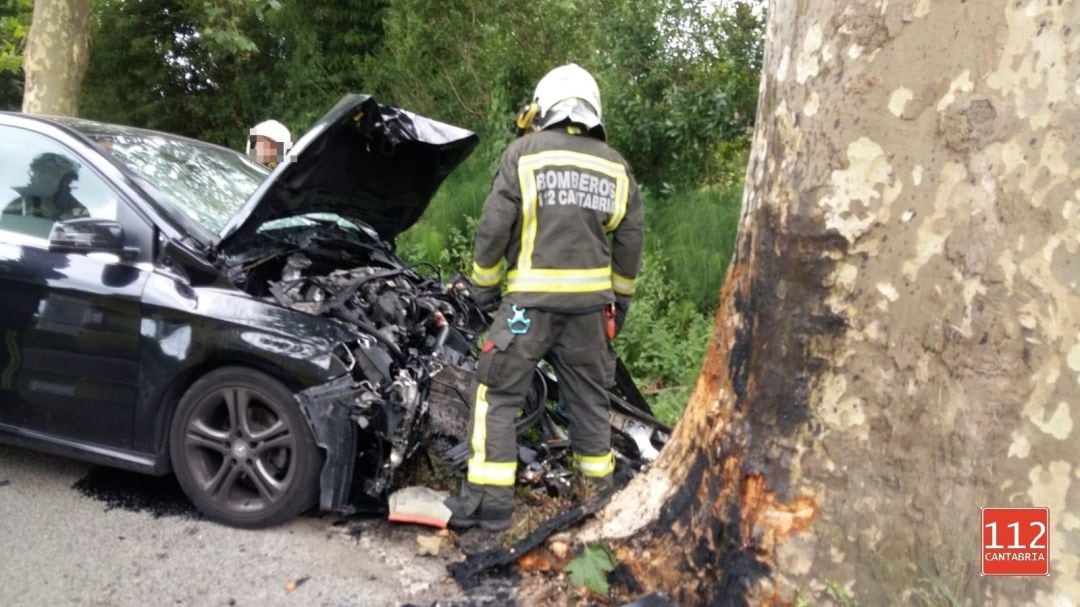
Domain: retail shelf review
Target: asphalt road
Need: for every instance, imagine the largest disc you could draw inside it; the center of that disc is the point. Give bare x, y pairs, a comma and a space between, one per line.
75, 534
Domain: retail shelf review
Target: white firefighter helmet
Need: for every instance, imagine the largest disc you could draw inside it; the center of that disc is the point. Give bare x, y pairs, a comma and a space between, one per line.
568, 92
273, 130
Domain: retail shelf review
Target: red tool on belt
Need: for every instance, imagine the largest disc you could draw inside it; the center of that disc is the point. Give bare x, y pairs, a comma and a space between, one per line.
609, 314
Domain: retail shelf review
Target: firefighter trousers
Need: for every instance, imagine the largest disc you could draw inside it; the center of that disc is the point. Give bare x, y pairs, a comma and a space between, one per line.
577, 346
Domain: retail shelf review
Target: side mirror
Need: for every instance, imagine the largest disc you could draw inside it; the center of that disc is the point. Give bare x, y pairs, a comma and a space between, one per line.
88, 235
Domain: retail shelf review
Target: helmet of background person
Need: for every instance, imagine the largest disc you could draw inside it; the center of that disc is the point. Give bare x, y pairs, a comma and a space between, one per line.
48, 173
274, 131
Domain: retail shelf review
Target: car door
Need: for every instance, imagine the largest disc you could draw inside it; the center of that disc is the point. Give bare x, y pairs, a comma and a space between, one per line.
70, 321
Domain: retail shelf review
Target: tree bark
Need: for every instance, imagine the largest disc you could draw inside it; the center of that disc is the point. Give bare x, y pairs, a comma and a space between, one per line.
57, 54
898, 339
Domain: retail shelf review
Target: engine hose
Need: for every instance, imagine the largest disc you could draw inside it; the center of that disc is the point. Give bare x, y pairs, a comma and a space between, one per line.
444, 330
351, 290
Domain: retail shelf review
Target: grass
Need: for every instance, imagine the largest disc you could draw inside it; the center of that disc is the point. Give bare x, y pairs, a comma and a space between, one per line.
695, 234
444, 235
663, 342
836, 594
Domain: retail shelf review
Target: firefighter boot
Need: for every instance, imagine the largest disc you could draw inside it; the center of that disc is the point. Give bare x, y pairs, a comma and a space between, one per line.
473, 508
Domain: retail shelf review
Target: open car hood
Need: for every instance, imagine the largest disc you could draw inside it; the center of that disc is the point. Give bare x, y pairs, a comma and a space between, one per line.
363, 161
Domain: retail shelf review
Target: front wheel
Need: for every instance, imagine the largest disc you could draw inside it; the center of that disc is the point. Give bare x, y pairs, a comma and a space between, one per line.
242, 451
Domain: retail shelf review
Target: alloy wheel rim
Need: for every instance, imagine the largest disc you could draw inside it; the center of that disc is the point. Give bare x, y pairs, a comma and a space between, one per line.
239, 447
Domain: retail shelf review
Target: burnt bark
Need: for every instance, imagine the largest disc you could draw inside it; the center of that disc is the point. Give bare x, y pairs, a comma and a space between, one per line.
57, 54
898, 337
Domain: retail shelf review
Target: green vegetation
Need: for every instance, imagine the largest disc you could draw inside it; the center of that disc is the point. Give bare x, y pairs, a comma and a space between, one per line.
678, 78
694, 233
679, 107
836, 594
591, 567
663, 341
14, 25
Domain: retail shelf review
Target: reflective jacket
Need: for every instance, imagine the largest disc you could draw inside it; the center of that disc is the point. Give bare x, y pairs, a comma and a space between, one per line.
564, 220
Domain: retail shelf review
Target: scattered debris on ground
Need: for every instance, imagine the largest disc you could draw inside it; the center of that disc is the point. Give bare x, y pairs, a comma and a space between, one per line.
429, 545
294, 584
468, 573
420, 506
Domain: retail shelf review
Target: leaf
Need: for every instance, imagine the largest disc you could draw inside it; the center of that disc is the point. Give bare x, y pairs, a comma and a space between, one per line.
591, 567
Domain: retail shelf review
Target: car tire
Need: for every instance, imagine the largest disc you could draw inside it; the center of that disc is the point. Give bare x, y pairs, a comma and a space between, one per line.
242, 450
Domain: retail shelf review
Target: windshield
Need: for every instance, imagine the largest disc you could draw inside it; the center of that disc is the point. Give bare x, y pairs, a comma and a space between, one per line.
207, 183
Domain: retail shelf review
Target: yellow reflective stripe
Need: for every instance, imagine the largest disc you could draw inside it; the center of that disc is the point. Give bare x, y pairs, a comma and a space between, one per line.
565, 157
566, 272
479, 432
527, 167
486, 277
527, 182
499, 474
483, 472
586, 280
622, 285
576, 158
622, 189
595, 465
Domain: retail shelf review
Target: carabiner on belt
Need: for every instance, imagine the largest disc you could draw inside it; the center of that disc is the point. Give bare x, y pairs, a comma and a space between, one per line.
519, 325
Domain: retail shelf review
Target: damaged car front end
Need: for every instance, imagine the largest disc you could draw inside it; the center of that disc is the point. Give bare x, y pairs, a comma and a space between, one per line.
409, 333
317, 238
279, 352
361, 177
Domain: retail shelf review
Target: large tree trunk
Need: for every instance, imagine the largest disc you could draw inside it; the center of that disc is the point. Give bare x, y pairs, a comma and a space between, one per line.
57, 53
897, 342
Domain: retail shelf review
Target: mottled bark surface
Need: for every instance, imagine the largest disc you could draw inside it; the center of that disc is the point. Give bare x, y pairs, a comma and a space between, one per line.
57, 53
898, 340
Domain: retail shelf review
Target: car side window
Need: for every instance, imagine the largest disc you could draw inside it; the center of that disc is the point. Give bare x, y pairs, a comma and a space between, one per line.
42, 182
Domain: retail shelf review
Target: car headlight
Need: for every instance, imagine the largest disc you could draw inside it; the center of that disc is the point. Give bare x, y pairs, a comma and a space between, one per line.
342, 360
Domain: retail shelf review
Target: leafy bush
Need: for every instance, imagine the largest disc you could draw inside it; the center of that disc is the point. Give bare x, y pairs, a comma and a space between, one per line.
678, 77
663, 341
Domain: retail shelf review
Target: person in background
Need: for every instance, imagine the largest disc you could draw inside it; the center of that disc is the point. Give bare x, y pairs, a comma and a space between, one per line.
48, 194
268, 142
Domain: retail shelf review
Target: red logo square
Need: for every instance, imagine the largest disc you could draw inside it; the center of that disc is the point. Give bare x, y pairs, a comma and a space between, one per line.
1016, 541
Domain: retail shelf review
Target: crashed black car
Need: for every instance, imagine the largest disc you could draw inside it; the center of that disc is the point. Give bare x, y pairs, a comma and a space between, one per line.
168, 306
142, 277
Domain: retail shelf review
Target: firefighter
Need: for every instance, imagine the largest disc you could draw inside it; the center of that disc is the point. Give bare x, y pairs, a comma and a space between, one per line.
48, 194
562, 227
268, 142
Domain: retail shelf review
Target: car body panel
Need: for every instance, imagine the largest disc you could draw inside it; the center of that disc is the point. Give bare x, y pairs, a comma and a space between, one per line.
70, 365
187, 331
